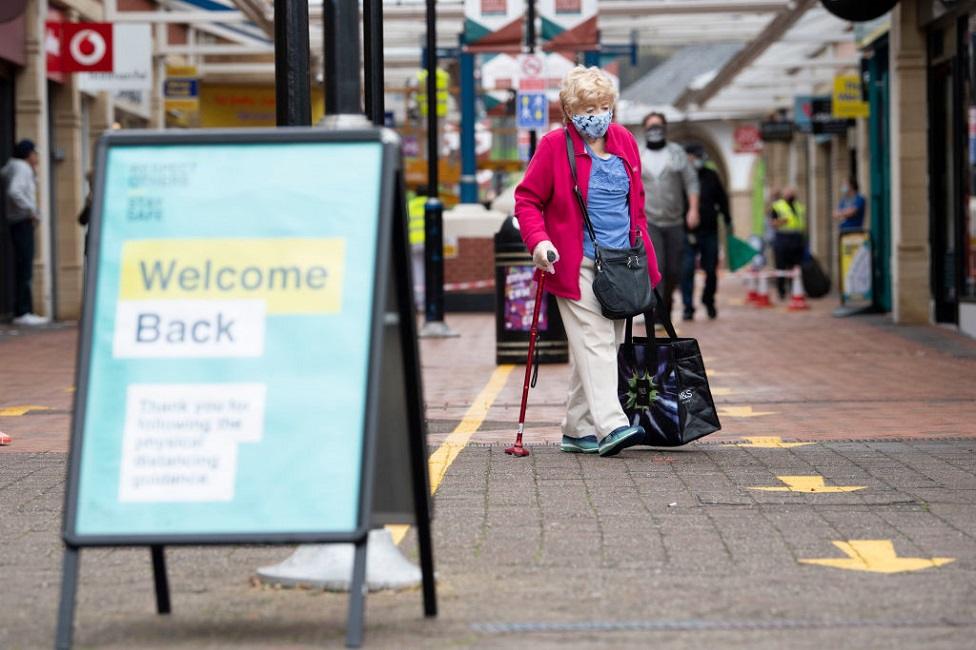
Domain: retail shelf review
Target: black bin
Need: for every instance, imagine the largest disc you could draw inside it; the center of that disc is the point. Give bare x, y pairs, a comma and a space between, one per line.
515, 300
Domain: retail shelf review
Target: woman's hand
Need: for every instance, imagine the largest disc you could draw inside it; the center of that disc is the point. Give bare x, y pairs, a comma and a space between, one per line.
544, 256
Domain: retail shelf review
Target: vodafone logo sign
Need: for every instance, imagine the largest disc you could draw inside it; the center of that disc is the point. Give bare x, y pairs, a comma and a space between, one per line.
86, 47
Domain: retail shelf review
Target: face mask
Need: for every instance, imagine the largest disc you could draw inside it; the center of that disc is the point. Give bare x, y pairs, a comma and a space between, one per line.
593, 126
656, 137
698, 164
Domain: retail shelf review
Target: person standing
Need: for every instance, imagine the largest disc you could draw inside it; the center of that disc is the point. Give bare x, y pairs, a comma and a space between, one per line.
701, 243
850, 210
416, 218
670, 183
789, 220
20, 190
608, 166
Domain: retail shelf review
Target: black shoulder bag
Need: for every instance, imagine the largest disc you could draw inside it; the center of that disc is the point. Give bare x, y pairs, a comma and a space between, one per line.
621, 282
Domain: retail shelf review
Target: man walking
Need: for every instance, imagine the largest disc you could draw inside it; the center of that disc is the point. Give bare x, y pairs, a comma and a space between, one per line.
20, 190
701, 243
668, 179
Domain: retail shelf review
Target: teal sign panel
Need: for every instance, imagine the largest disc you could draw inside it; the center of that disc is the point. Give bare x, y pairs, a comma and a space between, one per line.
225, 370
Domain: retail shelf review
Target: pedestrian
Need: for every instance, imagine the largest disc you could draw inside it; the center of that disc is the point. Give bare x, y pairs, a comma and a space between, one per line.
20, 190
788, 218
84, 217
701, 243
416, 223
671, 186
608, 166
850, 209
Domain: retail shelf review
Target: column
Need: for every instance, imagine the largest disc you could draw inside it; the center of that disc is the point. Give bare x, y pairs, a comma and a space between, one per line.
70, 199
910, 263
31, 118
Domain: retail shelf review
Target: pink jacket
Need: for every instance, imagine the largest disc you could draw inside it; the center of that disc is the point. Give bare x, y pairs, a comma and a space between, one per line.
546, 206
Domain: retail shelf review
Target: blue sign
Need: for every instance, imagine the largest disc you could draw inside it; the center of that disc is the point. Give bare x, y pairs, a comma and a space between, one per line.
532, 111
176, 88
224, 390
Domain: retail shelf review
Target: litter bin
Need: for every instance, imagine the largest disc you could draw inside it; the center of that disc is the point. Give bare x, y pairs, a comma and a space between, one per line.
515, 300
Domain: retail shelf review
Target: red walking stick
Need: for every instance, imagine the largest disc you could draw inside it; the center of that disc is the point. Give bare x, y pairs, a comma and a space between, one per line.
517, 449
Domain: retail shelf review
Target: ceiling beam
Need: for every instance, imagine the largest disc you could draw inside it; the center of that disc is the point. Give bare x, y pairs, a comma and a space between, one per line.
772, 33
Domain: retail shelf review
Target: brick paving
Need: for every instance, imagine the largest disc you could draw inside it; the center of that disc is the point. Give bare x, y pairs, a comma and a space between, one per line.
667, 548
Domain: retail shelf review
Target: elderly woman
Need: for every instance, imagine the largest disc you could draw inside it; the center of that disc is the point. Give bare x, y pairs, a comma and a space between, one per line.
608, 168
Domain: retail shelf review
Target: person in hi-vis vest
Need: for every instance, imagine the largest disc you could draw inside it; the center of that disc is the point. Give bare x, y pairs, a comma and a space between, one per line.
415, 230
788, 217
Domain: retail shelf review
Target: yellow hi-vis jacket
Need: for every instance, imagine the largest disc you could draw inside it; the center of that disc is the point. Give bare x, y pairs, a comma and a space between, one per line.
794, 219
415, 222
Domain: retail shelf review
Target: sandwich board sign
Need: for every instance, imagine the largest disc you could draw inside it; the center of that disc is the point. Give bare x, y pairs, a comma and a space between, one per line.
248, 369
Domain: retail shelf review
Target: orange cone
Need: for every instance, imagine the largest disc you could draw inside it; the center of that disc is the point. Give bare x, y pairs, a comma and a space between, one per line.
798, 299
762, 294
5, 439
753, 295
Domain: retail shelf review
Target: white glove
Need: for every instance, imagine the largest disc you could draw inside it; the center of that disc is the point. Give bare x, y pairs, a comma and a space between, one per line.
544, 256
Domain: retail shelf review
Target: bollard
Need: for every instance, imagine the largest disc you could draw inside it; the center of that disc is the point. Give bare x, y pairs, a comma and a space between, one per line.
753, 295
5, 439
798, 298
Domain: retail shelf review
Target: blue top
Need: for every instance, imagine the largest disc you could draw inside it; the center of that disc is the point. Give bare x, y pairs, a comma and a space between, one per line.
607, 201
857, 221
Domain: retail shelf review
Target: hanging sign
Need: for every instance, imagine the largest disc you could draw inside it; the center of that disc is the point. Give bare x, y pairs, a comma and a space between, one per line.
747, 139
494, 25
848, 102
127, 48
569, 25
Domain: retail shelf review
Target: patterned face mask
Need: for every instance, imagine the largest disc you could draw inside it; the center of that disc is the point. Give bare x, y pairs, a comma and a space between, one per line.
593, 126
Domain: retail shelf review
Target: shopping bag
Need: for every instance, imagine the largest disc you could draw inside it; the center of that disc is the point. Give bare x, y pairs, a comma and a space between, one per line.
663, 387
815, 281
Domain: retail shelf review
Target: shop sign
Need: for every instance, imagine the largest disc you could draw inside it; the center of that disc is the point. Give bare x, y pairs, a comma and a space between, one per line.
776, 131
813, 114
128, 48
181, 90
848, 101
855, 266
747, 139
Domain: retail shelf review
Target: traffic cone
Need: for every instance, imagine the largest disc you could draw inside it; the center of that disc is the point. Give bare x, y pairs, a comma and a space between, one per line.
798, 300
753, 295
762, 294
5, 439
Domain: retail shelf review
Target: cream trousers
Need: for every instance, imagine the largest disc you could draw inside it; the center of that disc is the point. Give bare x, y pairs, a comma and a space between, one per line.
592, 407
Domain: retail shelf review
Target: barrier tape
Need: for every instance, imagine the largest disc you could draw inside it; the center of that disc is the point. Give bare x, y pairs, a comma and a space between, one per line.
463, 286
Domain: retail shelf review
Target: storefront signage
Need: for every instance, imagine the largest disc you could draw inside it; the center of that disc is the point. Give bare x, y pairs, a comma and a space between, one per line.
855, 267
747, 139
848, 101
813, 114
776, 131
129, 48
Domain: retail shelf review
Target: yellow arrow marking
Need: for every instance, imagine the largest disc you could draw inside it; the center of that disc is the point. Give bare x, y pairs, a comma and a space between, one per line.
441, 459
877, 556
742, 412
808, 484
11, 411
771, 442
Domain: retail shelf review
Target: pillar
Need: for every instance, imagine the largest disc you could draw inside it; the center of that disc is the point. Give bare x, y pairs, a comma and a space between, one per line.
69, 197
910, 264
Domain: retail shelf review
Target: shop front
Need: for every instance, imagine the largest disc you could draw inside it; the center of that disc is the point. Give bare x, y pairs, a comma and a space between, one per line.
951, 41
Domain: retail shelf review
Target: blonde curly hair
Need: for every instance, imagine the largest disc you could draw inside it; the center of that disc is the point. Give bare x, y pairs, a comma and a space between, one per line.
583, 86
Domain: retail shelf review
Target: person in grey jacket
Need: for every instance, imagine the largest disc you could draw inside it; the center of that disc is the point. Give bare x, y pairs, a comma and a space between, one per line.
670, 183
20, 194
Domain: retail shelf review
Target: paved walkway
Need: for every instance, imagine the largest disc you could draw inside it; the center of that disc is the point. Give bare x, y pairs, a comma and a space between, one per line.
865, 537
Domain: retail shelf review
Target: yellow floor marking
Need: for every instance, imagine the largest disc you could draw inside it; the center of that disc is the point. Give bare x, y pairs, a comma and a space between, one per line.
722, 392
721, 373
69, 389
11, 411
441, 459
876, 556
771, 442
808, 484
742, 412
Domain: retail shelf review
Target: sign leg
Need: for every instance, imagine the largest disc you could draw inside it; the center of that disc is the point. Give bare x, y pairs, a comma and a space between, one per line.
69, 588
357, 598
160, 580
427, 566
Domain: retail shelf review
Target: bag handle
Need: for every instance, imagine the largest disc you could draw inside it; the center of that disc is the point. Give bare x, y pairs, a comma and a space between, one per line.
579, 195
652, 316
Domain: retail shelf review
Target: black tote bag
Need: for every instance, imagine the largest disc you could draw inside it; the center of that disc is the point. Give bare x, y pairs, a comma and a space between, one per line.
663, 387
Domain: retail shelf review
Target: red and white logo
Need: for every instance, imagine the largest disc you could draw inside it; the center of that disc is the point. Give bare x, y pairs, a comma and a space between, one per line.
86, 47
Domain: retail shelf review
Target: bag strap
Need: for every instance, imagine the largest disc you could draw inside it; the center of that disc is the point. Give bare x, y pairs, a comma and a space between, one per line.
652, 316
576, 190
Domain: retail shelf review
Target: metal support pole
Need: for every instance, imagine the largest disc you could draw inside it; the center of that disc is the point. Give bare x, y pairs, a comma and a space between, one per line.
469, 162
591, 58
373, 60
434, 325
340, 22
160, 580
69, 589
293, 103
530, 43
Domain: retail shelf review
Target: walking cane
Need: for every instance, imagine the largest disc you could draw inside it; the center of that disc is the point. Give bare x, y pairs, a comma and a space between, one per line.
517, 449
